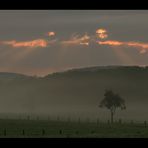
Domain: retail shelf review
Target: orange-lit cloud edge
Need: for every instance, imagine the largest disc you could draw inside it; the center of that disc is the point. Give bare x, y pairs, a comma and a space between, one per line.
100, 38
30, 44
101, 33
51, 33
143, 47
77, 40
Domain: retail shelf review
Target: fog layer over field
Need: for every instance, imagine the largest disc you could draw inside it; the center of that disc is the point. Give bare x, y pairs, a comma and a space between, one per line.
76, 93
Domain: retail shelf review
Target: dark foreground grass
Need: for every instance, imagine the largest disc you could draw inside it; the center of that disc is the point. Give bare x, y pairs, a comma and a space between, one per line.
12, 128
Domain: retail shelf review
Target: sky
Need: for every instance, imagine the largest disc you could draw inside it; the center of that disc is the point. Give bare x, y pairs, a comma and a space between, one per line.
40, 42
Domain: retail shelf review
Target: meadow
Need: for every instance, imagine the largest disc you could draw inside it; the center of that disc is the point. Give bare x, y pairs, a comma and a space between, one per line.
23, 128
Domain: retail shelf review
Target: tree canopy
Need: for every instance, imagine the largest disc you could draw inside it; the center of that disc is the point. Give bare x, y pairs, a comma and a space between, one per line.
112, 101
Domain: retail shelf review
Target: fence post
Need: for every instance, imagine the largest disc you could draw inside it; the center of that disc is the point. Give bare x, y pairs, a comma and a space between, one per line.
4, 132
77, 132
43, 132
23, 132
60, 132
145, 124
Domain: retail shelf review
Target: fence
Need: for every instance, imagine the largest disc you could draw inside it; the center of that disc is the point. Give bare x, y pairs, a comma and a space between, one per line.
63, 128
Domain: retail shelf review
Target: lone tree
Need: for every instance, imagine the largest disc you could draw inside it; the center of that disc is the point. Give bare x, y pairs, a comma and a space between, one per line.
112, 101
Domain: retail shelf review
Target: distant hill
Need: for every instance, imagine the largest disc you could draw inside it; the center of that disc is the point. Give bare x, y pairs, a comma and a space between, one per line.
11, 75
76, 92
119, 70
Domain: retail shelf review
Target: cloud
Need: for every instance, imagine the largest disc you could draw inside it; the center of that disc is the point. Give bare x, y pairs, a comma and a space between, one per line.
51, 33
77, 40
101, 33
85, 43
143, 47
29, 44
110, 42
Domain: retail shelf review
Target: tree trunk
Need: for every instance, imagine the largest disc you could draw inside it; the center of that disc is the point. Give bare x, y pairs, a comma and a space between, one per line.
112, 117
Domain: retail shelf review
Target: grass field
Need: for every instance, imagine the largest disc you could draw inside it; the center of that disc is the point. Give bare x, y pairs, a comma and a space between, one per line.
11, 128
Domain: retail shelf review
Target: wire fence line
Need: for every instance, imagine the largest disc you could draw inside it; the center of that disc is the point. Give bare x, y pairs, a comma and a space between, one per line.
69, 131
75, 120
